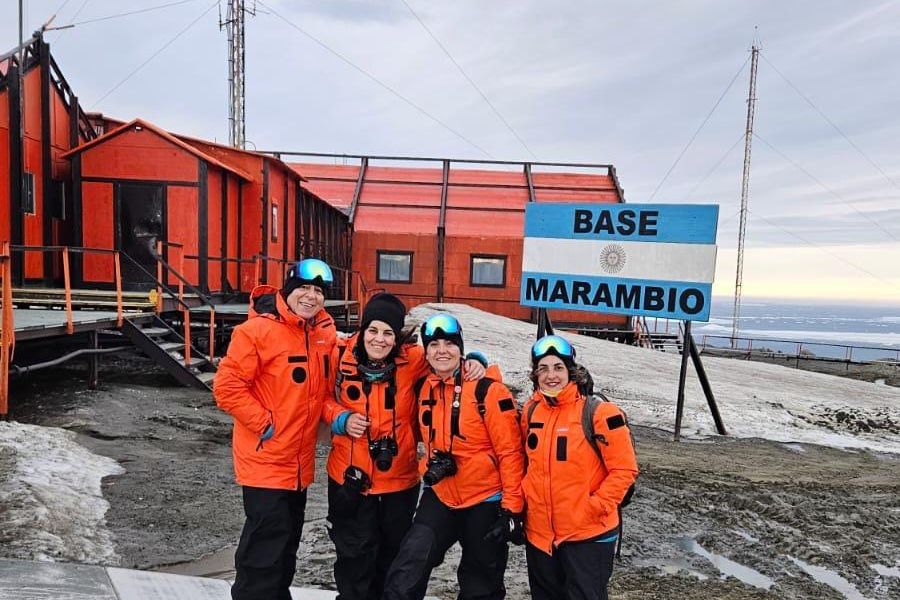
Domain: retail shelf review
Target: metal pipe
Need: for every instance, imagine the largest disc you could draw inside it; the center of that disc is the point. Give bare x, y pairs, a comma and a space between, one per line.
17, 370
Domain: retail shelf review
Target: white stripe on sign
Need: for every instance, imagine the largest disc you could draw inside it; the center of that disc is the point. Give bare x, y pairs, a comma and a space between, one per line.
621, 260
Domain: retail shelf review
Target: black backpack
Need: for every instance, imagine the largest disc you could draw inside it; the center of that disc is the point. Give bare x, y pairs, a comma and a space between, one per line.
591, 403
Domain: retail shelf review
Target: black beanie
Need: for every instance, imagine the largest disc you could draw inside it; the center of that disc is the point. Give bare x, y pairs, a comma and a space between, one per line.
387, 308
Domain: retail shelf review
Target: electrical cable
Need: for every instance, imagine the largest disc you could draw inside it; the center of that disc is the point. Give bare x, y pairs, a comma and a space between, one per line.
715, 167
469, 79
832, 123
696, 133
60, 31
155, 54
826, 188
371, 77
129, 13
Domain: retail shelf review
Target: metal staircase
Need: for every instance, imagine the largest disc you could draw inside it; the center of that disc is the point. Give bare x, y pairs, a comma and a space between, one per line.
167, 348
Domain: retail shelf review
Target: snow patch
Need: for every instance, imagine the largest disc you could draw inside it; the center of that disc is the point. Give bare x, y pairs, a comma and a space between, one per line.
51, 504
756, 399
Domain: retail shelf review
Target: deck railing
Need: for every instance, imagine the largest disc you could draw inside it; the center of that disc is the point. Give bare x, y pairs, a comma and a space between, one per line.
65, 253
7, 333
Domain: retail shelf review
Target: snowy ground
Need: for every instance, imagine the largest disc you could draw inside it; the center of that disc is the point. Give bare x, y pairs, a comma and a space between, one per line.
789, 516
755, 400
51, 504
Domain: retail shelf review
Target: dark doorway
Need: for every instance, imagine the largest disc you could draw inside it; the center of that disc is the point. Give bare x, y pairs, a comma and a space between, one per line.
140, 224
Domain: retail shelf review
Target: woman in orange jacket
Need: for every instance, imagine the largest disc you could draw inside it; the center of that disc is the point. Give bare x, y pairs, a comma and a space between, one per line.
273, 382
472, 470
373, 478
572, 493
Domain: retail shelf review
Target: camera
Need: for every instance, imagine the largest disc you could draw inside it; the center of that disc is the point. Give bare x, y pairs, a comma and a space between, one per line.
383, 450
356, 480
440, 465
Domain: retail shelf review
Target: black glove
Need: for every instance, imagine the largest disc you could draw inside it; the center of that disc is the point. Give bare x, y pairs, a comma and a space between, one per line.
507, 528
516, 533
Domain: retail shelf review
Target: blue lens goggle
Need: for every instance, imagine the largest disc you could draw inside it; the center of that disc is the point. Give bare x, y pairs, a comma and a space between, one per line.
443, 322
552, 344
311, 269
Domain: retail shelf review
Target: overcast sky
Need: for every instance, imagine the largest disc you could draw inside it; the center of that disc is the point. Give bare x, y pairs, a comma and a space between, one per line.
625, 82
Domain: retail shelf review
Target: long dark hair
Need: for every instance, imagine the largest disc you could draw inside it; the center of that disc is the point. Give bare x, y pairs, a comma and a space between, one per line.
406, 336
577, 373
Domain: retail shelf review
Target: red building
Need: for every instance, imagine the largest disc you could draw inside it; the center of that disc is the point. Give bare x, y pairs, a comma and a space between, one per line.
39, 122
235, 215
452, 230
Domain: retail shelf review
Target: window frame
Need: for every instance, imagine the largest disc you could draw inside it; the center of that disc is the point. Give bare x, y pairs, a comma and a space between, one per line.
380, 253
273, 221
472, 257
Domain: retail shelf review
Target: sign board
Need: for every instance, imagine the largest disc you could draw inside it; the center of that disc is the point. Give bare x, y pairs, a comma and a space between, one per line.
656, 260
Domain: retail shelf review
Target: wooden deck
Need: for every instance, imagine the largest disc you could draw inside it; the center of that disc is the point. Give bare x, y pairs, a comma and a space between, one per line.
32, 324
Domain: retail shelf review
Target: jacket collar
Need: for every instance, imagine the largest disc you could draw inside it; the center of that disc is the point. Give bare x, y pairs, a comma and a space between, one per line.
281, 310
568, 395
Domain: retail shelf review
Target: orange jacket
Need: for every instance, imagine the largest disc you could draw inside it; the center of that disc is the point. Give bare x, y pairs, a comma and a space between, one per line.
569, 494
276, 371
403, 474
488, 451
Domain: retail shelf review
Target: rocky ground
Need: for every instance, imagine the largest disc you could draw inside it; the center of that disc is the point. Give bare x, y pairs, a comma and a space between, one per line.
778, 511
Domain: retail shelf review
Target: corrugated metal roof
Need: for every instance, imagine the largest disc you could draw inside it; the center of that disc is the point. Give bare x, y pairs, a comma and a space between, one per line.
388, 194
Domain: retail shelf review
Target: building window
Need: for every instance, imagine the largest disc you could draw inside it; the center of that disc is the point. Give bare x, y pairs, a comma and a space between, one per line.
487, 270
28, 194
394, 266
274, 235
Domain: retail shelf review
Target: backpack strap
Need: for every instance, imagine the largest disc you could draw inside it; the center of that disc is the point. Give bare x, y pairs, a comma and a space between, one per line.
417, 388
587, 424
481, 390
531, 409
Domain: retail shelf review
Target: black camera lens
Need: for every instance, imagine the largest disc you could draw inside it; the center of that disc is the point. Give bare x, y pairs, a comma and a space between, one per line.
383, 450
440, 465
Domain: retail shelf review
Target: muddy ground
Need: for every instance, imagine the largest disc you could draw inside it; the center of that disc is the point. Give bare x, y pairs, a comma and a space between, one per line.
762, 504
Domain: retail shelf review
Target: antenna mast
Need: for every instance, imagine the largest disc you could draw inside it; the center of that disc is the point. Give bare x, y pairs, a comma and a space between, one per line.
745, 195
234, 27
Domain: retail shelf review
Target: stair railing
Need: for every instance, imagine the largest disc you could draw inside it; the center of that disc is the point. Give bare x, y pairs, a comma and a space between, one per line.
163, 266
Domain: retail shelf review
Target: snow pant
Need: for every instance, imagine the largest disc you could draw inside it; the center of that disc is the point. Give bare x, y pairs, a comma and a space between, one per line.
266, 556
367, 540
575, 571
436, 527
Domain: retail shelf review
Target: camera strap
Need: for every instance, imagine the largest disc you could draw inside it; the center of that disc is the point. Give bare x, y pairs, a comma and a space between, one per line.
455, 410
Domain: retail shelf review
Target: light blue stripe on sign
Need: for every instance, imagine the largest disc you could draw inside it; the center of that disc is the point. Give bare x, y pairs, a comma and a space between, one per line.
673, 223
669, 299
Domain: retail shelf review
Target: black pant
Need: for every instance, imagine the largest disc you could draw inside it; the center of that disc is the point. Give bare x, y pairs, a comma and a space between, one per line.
575, 571
266, 556
435, 528
367, 541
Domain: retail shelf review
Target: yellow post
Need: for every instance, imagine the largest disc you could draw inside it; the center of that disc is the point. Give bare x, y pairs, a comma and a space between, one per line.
70, 325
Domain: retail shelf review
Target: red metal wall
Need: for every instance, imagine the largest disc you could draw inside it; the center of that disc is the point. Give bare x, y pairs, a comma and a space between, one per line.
214, 227
97, 208
139, 156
